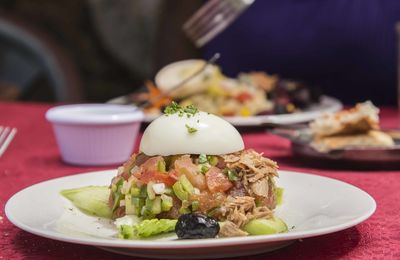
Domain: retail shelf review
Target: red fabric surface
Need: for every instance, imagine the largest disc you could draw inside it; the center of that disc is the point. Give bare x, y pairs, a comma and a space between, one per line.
33, 157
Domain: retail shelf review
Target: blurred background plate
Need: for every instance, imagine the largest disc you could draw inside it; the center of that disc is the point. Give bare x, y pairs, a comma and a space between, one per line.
326, 104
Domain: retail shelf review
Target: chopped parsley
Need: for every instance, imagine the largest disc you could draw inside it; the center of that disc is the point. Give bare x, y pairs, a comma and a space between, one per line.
175, 108
191, 130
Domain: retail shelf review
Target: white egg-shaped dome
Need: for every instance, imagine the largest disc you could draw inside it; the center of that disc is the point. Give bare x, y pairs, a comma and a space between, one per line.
201, 133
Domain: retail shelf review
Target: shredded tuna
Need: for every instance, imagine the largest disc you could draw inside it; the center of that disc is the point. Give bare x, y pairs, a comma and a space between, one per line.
254, 169
230, 229
260, 187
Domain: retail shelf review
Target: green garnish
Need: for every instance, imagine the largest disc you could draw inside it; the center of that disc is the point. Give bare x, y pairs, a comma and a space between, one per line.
175, 108
204, 169
232, 174
203, 158
190, 129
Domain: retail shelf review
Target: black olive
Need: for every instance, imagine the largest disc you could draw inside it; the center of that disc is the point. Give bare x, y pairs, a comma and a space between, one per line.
190, 226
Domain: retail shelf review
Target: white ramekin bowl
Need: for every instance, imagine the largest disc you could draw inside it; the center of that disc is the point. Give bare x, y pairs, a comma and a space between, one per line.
95, 134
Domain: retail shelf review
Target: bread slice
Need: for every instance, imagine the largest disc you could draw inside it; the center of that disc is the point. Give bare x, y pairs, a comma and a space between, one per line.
360, 119
372, 138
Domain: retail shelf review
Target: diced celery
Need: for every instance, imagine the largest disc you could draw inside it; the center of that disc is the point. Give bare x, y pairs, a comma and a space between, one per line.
149, 204
156, 208
117, 198
232, 175
179, 191
195, 205
150, 192
204, 168
166, 202
138, 203
161, 166
129, 206
187, 186
135, 192
143, 192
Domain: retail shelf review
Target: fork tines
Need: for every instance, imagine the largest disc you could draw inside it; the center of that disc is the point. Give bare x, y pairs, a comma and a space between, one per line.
6, 136
212, 18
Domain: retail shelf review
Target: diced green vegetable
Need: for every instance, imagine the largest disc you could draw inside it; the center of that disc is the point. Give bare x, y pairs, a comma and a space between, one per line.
92, 200
263, 226
149, 204
150, 192
129, 206
204, 169
161, 166
213, 160
203, 158
151, 227
138, 203
156, 208
195, 205
135, 192
232, 174
279, 195
143, 192
126, 232
117, 199
187, 186
180, 191
166, 202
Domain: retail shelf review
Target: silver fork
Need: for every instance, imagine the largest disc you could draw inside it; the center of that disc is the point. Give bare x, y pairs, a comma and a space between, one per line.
6, 136
212, 18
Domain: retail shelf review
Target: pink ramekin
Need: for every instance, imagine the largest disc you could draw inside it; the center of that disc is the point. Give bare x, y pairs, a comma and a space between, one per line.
95, 134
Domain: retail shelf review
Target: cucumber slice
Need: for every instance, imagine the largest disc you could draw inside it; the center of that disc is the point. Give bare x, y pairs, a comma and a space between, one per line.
92, 200
263, 226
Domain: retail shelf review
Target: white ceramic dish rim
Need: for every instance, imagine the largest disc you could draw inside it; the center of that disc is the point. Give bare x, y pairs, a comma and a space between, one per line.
89, 114
148, 244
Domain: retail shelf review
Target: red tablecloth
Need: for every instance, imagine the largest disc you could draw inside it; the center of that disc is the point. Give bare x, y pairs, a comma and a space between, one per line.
33, 157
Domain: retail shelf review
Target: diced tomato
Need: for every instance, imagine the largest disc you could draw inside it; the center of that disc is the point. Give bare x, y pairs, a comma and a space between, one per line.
217, 181
184, 165
158, 177
207, 200
151, 164
243, 97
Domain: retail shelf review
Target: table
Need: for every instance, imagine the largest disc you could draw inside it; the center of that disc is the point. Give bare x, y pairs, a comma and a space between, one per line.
33, 157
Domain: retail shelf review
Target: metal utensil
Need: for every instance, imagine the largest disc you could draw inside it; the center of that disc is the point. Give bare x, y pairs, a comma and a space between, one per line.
6, 136
212, 18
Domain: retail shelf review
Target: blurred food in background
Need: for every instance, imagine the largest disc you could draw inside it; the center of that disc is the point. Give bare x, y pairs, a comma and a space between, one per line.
249, 94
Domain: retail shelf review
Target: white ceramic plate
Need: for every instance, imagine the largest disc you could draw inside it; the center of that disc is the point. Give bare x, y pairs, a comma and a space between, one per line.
326, 104
313, 205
